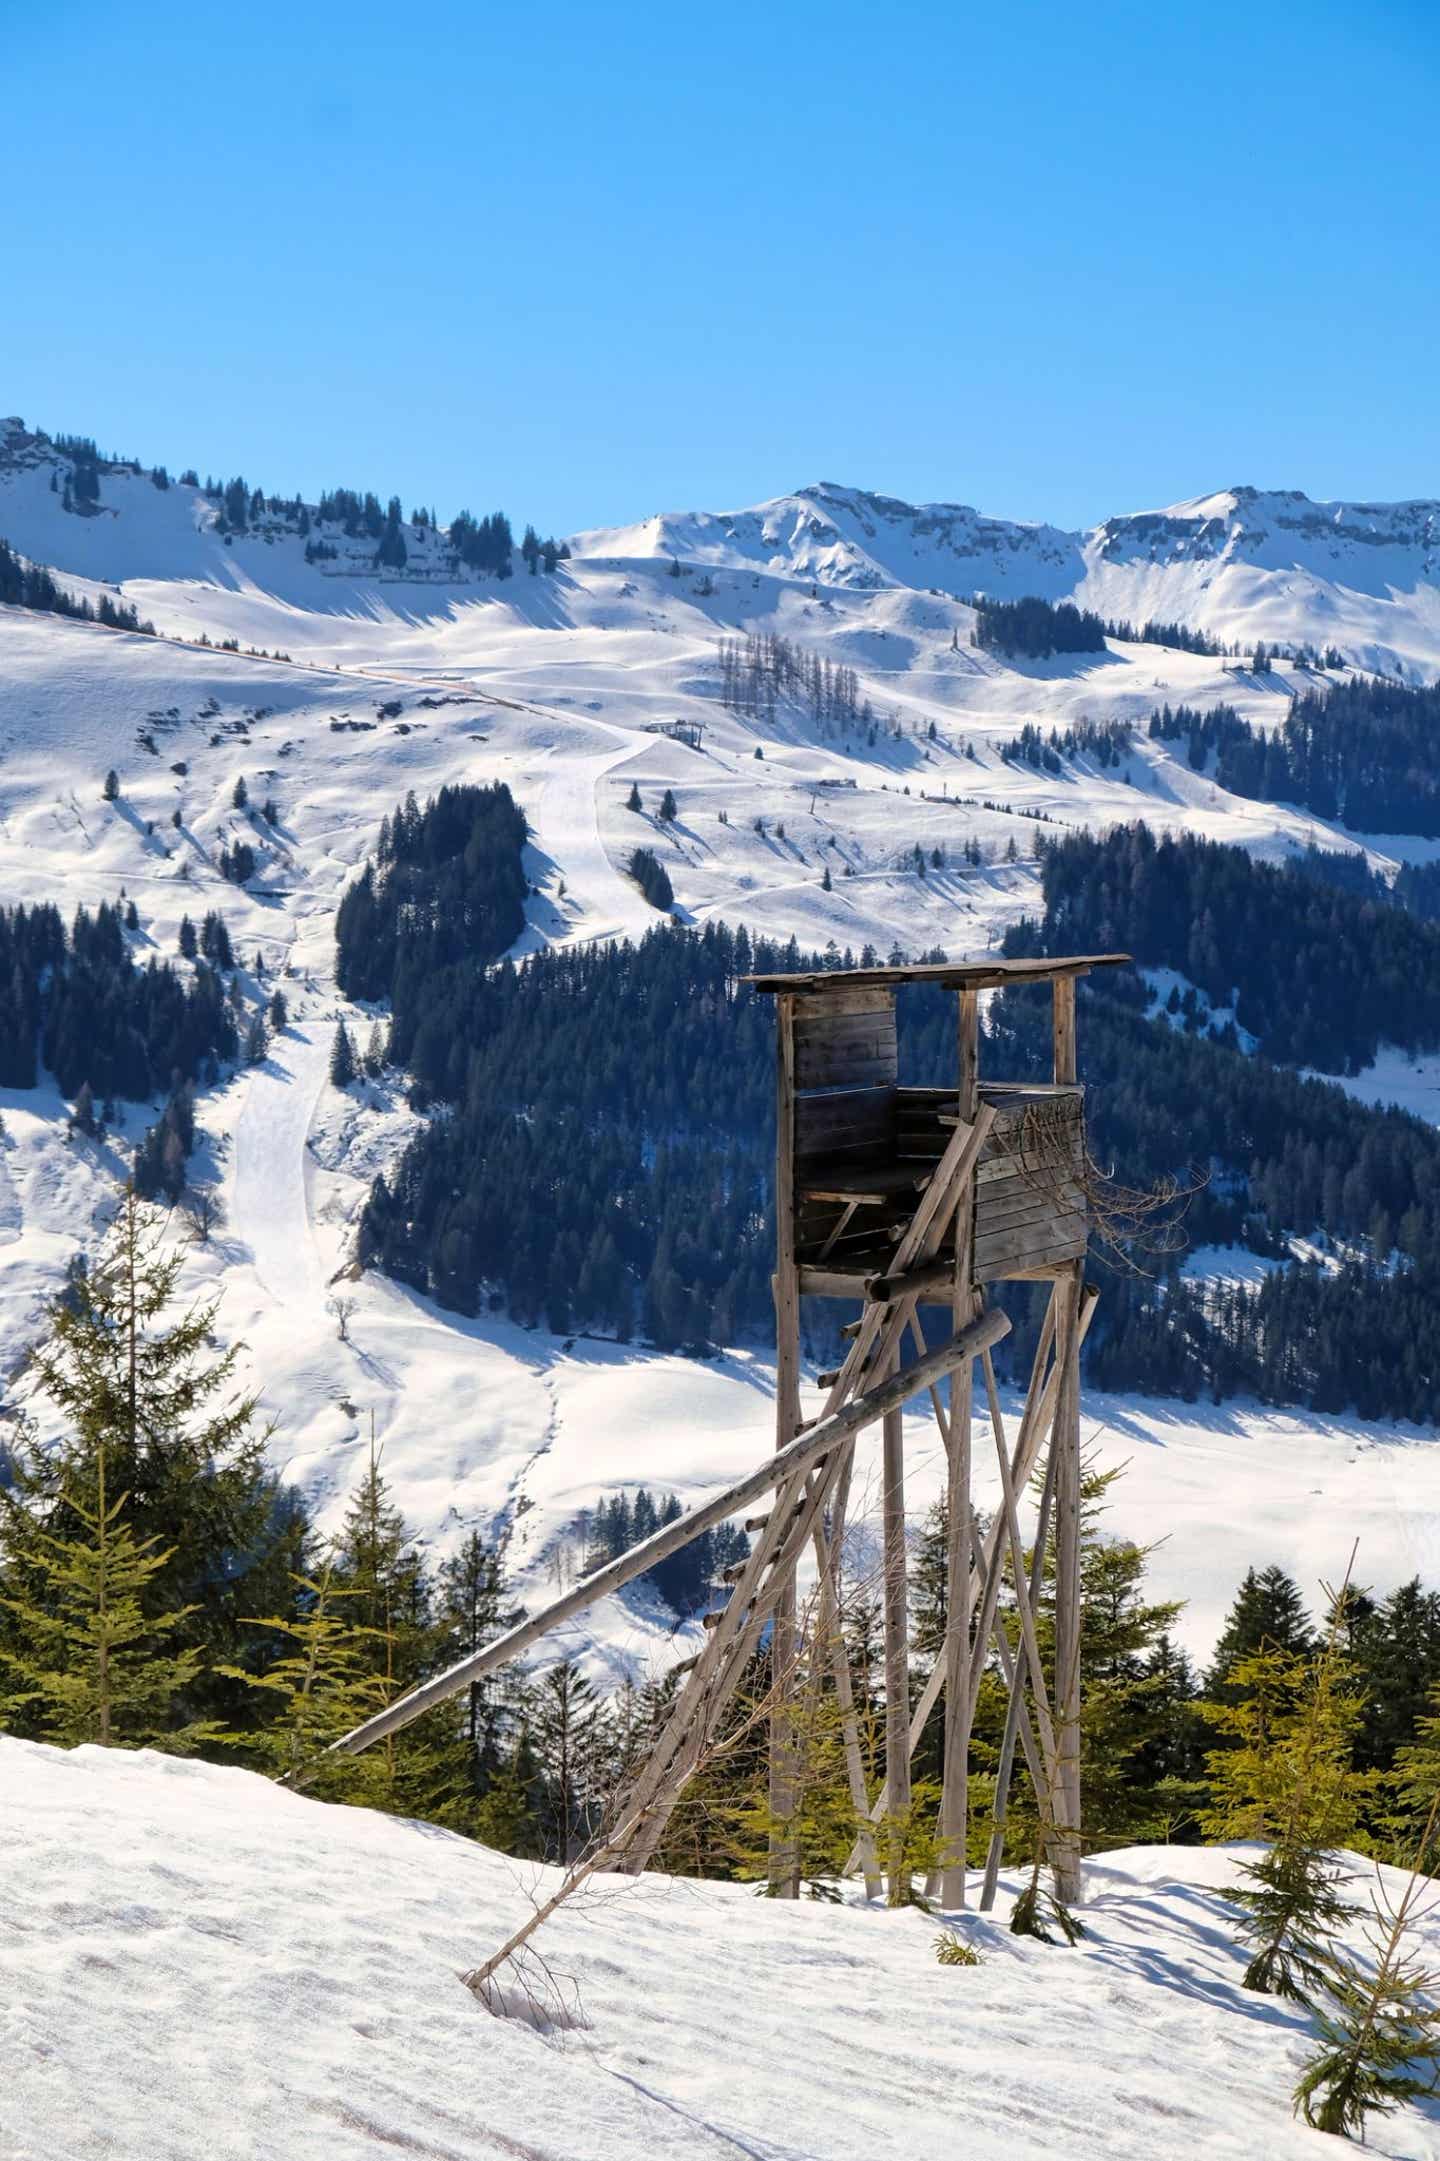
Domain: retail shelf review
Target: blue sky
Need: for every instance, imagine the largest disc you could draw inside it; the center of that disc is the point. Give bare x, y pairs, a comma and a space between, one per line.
589, 262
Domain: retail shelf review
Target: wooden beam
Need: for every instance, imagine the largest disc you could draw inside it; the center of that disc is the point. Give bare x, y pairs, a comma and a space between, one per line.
1066, 1444
802, 1454
955, 1749
950, 975
783, 1873
913, 1283
969, 1048
1016, 1703
1063, 996
897, 1659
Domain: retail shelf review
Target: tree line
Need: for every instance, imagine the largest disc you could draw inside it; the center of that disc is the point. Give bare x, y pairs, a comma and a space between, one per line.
1035, 629
1361, 752
79, 1001
1319, 973
24, 584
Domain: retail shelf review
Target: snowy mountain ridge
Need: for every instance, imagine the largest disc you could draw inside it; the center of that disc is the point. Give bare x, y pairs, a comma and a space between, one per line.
1241, 564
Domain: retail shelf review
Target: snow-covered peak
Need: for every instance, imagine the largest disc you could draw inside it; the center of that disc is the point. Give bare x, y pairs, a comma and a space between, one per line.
1280, 528
838, 535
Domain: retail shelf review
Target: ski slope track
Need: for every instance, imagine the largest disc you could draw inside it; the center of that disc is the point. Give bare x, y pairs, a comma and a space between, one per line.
555, 685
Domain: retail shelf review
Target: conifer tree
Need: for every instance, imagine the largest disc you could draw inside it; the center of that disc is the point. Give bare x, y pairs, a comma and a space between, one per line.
1039, 1911
84, 1660
320, 1685
388, 1609
1268, 1612
506, 1816
1289, 1777
279, 1010
134, 1378
566, 1733
1383, 2034
342, 1058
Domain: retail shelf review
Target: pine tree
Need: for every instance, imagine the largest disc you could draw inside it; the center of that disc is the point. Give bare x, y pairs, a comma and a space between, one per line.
111, 789
83, 1659
323, 1683
1268, 1613
507, 1816
1384, 2029
179, 1442
565, 1731
279, 1010
388, 1606
1039, 1911
189, 944
257, 1041
342, 1058
669, 811
632, 800
240, 794
1288, 1776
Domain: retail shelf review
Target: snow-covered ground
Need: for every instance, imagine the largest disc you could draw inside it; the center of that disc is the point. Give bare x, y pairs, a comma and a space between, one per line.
551, 684
197, 1963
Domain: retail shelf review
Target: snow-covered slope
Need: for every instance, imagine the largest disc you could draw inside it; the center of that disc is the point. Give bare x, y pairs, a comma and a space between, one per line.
198, 1963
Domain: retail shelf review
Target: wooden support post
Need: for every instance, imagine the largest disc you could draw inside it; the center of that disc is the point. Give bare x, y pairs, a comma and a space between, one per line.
1063, 997
897, 1663
828, 1553
955, 1761
1016, 1704
1066, 1446
783, 1862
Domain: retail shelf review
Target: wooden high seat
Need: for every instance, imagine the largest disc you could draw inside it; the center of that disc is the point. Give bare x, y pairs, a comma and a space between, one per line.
862, 1148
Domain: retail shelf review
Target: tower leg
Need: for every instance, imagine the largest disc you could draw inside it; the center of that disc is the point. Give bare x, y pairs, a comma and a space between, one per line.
955, 1787
1066, 1445
897, 1662
784, 1857
783, 1867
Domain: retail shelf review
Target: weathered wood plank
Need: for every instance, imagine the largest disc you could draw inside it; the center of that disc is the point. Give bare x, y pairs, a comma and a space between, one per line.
1063, 996
822, 1005
950, 975
1028, 1248
1012, 1209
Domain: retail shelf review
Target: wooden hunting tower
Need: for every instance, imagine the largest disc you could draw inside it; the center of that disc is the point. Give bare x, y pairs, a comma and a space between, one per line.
899, 1197
896, 1198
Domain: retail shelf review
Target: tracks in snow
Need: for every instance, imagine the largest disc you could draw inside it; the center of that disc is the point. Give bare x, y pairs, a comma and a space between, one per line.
268, 1192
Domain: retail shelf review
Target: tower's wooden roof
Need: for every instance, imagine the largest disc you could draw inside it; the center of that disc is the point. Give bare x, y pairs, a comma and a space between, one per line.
989, 974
